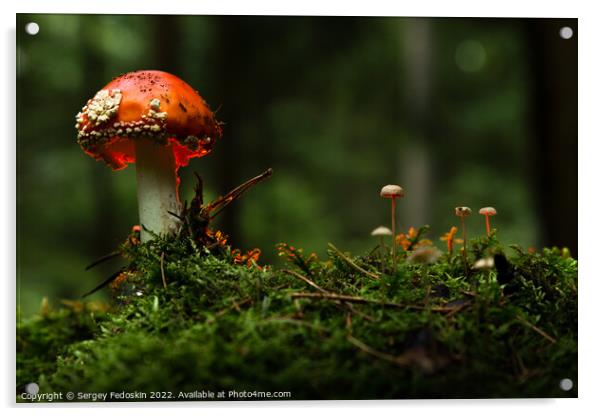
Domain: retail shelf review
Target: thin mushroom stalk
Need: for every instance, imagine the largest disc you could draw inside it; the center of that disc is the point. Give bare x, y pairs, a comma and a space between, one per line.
381, 232
463, 212
393, 228
392, 192
382, 255
464, 248
157, 182
488, 212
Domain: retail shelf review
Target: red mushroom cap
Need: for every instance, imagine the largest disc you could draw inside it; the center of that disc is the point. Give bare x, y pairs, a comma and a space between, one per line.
146, 104
488, 211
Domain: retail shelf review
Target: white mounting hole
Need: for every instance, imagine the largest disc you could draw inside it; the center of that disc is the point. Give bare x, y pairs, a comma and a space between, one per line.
32, 28
32, 388
566, 32
566, 384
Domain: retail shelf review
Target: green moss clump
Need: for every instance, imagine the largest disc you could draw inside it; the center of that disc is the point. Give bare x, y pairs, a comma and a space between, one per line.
222, 323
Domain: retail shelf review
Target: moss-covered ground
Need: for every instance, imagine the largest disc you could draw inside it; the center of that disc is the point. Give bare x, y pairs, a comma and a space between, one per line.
190, 318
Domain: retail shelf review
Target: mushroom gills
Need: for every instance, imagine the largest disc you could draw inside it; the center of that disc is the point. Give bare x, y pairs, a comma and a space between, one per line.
157, 178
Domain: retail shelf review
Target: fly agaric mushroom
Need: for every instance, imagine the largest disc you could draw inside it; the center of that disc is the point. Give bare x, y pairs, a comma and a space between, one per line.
159, 122
488, 212
392, 192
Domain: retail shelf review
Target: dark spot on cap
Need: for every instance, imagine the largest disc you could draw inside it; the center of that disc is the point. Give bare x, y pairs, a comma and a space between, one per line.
182, 107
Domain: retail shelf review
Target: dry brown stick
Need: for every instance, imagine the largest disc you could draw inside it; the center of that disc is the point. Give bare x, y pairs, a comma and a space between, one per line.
305, 279
402, 361
313, 284
163, 271
285, 320
103, 259
468, 293
357, 299
352, 264
234, 306
456, 310
536, 329
361, 314
228, 309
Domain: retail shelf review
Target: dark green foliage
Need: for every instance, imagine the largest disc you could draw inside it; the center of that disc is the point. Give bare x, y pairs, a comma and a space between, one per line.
42, 338
428, 332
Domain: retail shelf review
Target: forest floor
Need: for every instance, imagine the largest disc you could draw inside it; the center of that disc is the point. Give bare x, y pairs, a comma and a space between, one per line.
189, 319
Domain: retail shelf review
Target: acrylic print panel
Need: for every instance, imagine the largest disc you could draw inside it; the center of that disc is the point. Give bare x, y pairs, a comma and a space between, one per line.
277, 208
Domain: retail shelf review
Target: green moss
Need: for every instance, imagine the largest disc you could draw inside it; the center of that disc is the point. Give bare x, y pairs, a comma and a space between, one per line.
225, 326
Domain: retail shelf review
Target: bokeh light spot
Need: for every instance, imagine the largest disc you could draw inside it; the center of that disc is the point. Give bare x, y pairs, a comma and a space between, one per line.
470, 56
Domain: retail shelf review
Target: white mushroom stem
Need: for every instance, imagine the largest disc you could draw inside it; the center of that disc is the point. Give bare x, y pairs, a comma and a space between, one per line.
157, 178
393, 208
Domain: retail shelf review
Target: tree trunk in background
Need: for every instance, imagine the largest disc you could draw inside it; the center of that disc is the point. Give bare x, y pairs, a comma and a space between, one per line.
554, 106
237, 75
103, 194
415, 163
166, 38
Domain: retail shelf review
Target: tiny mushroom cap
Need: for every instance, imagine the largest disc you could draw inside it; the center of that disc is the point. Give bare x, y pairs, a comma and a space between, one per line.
463, 211
425, 255
392, 191
381, 231
154, 105
488, 211
484, 263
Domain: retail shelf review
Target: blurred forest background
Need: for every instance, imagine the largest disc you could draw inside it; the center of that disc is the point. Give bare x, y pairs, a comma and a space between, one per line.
472, 112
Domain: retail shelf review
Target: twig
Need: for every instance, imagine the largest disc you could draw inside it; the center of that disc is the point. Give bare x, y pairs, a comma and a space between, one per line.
305, 279
102, 259
219, 204
105, 282
163, 271
361, 314
228, 309
312, 284
536, 329
401, 361
175, 215
456, 310
357, 299
299, 322
352, 264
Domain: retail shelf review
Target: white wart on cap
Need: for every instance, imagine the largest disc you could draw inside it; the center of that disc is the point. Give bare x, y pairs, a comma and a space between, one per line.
463, 211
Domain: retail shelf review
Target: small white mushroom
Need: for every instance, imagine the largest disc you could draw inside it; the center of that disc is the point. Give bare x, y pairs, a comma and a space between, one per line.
463, 211
488, 212
393, 192
381, 232
484, 263
424, 255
